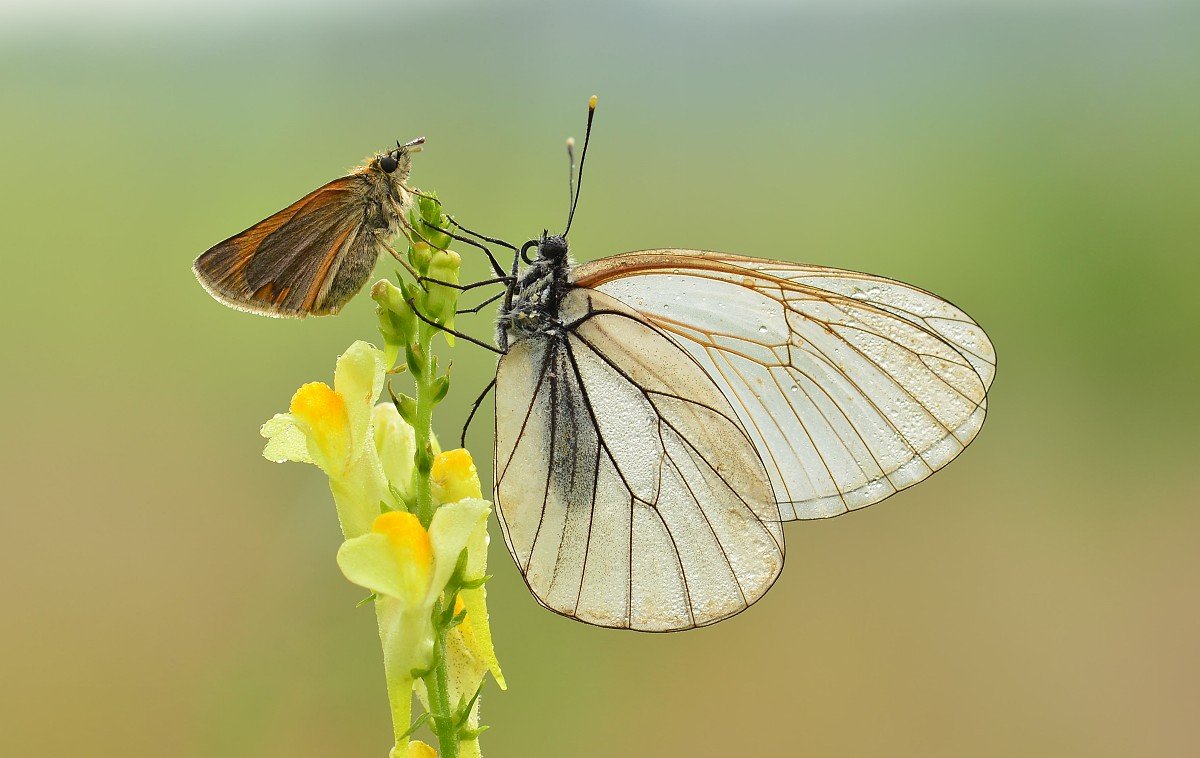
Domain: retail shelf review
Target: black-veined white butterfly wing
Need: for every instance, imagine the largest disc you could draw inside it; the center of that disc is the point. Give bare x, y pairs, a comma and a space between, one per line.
628, 492
852, 386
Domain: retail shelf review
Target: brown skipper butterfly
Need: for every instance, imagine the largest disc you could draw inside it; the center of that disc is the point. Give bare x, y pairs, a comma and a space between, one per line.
314, 255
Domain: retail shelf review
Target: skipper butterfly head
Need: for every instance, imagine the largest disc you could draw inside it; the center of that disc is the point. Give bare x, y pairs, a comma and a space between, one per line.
399, 159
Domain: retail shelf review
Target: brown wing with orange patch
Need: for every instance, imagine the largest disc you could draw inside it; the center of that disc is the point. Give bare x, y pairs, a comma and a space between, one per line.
288, 263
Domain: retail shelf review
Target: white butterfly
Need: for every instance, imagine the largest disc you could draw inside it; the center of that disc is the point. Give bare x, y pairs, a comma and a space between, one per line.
660, 414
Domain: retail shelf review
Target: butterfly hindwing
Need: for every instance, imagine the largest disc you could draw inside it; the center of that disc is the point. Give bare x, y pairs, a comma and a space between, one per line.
628, 492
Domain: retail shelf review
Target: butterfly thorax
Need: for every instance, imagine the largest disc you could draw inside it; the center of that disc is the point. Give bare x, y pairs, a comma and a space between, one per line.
387, 197
538, 292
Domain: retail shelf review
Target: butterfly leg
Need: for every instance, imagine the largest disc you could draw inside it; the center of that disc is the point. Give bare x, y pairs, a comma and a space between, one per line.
462, 439
468, 241
492, 240
409, 230
484, 237
509, 291
593, 313
496, 268
477, 308
456, 333
464, 287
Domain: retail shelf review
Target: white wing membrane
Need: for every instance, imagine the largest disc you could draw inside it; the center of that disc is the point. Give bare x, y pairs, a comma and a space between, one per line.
628, 492
851, 386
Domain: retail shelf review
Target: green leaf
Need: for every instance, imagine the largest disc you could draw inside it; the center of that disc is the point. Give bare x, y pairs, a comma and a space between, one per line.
456, 620
401, 500
415, 360
466, 734
474, 584
415, 726
406, 405
464, 710
440, 387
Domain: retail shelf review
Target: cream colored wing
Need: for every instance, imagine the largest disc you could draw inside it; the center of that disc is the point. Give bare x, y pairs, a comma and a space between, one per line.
852, 386
628, 492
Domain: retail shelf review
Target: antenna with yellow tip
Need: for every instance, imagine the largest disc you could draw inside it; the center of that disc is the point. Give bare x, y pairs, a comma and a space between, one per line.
582, 157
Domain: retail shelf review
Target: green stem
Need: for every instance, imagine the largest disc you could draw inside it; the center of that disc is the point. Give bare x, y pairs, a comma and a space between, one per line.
423, 428
437, 687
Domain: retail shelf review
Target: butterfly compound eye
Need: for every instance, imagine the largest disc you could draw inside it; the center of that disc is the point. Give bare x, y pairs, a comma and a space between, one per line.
388, 163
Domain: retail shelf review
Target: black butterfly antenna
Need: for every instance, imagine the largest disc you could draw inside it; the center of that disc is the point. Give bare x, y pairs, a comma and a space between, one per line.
582, 157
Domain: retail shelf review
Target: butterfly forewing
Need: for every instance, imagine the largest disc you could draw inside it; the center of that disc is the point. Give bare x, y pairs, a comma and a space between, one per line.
308, 258
629, 494
851, 386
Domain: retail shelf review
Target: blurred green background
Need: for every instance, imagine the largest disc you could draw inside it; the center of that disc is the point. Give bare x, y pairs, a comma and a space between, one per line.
169, 592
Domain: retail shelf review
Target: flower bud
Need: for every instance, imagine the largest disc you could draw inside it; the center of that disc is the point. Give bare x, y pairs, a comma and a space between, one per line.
441, 300
397, 322
433, 221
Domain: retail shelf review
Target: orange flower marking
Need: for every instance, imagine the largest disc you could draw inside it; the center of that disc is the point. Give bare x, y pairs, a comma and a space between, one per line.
321, 407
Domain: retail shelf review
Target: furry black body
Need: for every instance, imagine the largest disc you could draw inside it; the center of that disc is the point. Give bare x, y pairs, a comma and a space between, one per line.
531, 305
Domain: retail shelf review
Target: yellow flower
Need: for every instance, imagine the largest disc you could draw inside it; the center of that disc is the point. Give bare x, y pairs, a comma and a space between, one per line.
399, 558
470, 654
454, 478
408, 567
328, 425
476, 629
331, 428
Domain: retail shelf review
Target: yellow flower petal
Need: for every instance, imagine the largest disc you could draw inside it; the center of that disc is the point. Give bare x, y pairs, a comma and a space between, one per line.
467, 633
358, 378
330, 426
449, 532
476, 628
411, 546
323, 414
454, 477
396, 444
321, 407
285, 440
418, 749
